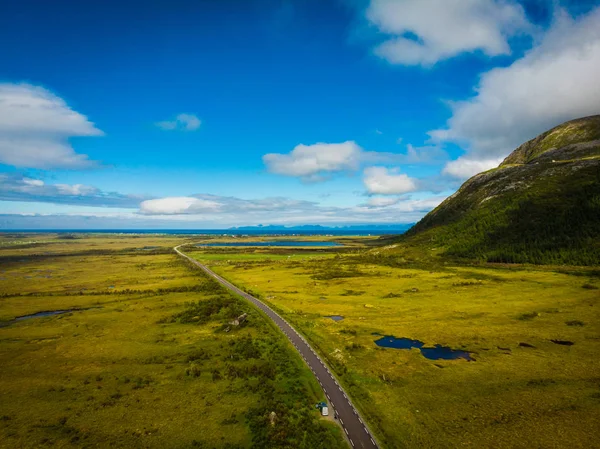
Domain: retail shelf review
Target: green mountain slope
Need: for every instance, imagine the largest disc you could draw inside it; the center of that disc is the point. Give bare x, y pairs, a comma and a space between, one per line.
541, 205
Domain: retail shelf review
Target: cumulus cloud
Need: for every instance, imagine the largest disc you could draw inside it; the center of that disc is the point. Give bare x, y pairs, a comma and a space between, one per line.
204, 211
319, 161
35, 126
554, 82
383, 181
178, 205
222, 210
424, 32
382, 201
309, 161
398, 207
213, 204
183, 122
15, 187
463, 168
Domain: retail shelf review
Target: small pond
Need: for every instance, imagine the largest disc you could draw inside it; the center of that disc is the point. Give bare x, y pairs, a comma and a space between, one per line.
285, 243
438, 352
42, 314
335, 317
398, 343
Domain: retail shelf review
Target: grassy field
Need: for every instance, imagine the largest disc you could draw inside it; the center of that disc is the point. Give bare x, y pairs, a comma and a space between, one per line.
147, 359
521, 391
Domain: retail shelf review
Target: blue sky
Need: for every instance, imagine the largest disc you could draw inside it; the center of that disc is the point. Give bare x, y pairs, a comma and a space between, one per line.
223, 113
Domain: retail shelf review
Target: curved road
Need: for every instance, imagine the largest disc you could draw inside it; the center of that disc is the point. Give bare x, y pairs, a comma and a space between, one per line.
356, 430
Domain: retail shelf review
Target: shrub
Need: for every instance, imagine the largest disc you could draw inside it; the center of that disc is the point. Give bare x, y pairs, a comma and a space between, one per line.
199, 354
528, 316
392, 295
193, 370
574, 323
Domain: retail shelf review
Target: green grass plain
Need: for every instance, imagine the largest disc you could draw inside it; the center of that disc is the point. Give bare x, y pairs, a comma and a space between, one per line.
522, 390
148, 364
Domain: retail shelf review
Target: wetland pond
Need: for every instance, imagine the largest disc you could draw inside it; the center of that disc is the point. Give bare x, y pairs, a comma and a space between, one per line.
284, 243
335, 317
42, 314
438, 352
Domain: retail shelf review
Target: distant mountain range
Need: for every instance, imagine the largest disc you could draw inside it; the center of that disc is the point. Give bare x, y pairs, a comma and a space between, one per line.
402, 227
541, 205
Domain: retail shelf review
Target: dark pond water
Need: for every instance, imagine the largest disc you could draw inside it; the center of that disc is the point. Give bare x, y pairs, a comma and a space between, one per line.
398, 343
283, 243
335, 317
438, 352
42, 314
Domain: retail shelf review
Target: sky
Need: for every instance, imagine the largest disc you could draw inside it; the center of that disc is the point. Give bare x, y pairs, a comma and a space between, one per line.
210, 114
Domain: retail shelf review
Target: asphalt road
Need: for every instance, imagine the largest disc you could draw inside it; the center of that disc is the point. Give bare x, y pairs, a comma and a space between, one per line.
356, 431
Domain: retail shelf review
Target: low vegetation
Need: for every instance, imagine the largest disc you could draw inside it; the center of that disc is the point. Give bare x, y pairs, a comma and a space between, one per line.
149, 356
153, 361
532, 332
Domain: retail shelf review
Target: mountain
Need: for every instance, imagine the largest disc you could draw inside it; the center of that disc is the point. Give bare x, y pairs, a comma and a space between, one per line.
541, 205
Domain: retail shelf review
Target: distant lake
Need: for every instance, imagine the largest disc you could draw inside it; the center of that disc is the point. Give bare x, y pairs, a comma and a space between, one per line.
283, 243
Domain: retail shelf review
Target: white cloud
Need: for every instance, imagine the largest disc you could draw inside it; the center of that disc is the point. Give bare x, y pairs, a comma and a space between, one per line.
14, 187
423, 155
194, 211
382, 201
463, 168
317, 162
183, 122
215, 204
427, 31
554, 82
382, 181
75, 189
33, 182
308, 161
232, 211
35, 126
178, 205
398, 207
422, 205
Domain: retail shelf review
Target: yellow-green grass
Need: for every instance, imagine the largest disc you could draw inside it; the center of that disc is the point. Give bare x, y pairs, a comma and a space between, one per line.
88, 274
257, 256
115, 375
510, 396
346, 240
59, 244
